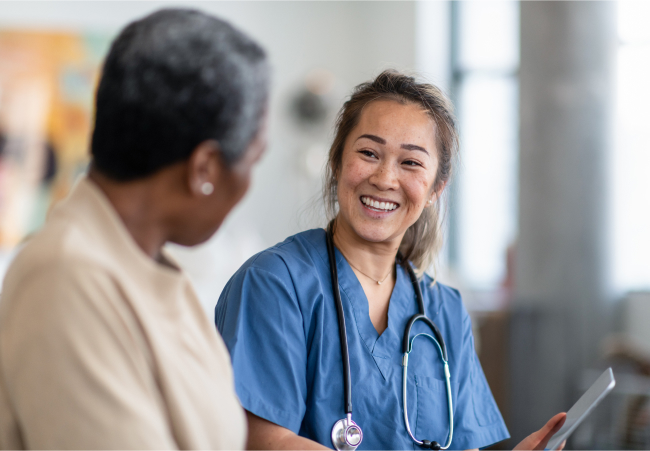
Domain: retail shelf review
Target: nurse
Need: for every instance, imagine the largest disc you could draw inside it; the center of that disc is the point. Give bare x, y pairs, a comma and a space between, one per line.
389, 164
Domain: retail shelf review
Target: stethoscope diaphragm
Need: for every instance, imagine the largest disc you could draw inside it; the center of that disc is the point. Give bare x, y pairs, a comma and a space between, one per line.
346, 434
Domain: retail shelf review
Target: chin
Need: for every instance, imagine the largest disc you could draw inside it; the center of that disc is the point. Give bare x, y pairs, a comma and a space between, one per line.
373, 234
186, 242
195, 238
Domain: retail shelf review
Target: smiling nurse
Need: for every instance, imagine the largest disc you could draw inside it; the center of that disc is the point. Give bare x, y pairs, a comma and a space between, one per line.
315, 325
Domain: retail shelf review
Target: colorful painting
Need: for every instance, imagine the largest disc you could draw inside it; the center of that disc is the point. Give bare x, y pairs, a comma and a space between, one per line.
47, 85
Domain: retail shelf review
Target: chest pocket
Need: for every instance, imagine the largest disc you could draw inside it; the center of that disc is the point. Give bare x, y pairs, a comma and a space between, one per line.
432, 421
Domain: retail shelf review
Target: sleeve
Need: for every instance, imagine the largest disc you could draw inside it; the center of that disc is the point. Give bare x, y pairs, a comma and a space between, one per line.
260, 320
477, 420
74, 367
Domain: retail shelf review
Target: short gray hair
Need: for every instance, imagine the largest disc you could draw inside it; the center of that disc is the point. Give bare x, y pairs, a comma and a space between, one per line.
170, 81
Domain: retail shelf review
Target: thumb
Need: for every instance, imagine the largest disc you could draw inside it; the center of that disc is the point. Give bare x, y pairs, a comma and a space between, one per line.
550, 428
539, 439
554, 423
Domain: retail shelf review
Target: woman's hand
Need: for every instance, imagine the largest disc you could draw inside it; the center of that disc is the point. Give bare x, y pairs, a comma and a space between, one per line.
263, 434
539, 439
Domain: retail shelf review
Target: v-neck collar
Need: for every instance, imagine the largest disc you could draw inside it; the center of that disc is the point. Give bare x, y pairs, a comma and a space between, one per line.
402, 305
351, 288
349, 283
380, 347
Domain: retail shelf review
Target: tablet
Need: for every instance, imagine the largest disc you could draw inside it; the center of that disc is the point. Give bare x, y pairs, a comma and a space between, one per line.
592, 397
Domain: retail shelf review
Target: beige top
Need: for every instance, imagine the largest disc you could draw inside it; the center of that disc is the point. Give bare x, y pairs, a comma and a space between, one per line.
102, 347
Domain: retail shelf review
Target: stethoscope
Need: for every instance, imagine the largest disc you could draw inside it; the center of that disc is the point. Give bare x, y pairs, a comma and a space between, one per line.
346, 434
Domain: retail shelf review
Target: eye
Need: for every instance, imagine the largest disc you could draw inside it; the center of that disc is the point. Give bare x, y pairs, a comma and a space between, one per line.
368, 153
412, 163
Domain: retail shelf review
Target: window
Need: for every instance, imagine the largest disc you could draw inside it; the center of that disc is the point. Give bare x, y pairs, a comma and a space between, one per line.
485, 89
631, 156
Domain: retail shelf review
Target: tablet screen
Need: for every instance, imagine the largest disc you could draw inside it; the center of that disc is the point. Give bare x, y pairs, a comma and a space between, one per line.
603, 385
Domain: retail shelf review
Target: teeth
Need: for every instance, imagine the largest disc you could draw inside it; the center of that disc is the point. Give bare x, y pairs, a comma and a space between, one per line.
386, 206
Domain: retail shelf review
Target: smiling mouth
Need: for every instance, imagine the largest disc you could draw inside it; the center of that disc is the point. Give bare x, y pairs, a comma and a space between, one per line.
378, 206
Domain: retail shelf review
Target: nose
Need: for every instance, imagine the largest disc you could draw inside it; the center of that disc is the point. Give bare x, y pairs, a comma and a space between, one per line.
385, 177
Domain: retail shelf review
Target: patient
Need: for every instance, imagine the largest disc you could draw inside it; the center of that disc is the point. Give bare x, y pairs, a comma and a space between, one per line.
103, 343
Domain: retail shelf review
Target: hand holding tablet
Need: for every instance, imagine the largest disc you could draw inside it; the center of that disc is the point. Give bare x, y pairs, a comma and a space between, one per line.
539, 439
583, 407
558, 429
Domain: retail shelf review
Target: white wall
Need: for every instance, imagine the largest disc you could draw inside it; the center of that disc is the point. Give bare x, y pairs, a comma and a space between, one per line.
352, 40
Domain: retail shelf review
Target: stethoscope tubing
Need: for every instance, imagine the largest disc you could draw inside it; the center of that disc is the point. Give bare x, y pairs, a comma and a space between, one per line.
405, 360
407, 345
343, 336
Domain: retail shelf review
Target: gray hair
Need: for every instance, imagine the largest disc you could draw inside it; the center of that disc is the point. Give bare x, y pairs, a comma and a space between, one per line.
170, 81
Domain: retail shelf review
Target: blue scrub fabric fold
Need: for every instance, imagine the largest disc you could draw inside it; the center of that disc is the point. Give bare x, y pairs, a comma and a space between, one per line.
278, 319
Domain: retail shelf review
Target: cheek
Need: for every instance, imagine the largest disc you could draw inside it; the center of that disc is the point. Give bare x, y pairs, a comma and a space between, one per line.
240, 179
418, 190
232, 190
352, 175
243, 183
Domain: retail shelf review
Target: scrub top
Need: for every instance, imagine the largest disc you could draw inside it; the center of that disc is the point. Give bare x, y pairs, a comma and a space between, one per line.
277, 316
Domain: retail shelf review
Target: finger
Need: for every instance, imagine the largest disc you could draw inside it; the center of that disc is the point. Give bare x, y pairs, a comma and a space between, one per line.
553, 425
559, 419
539, 439
550, 428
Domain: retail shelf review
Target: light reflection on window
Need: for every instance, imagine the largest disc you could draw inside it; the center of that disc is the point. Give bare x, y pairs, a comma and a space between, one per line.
631, 156
486, 96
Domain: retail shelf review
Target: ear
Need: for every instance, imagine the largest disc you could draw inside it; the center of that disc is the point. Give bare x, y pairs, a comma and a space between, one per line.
435, 195
203, 168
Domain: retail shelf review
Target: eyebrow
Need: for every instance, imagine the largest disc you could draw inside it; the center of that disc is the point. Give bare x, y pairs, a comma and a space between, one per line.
374, 138
379, 140
414, 147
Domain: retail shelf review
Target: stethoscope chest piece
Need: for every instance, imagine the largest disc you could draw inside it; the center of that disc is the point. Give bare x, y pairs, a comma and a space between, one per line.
346, 434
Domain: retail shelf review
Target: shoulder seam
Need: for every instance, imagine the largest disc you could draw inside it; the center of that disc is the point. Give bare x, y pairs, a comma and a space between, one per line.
292, 293
293, 297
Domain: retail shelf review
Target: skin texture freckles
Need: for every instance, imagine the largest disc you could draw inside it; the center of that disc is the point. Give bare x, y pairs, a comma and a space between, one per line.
390, 155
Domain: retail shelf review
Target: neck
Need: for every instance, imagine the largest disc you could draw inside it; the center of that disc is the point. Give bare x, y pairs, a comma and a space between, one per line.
374, 260
138, 204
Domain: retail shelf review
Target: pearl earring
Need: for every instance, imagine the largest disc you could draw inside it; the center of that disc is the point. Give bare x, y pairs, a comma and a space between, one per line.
207, 188
430, 202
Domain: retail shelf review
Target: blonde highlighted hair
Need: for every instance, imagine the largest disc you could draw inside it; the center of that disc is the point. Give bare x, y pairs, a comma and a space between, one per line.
423, 240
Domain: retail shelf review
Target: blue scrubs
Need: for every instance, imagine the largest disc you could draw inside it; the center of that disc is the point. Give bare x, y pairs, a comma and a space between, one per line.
278, 318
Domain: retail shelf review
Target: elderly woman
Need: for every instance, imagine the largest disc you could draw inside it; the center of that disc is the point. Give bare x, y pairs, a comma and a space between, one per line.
103, 343
321, 328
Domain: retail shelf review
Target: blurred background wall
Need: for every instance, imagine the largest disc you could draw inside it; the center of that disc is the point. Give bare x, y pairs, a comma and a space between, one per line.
548, 218
322, 49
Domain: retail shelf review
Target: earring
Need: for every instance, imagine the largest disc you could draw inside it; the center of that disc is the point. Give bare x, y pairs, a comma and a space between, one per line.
207, 188
430, 202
